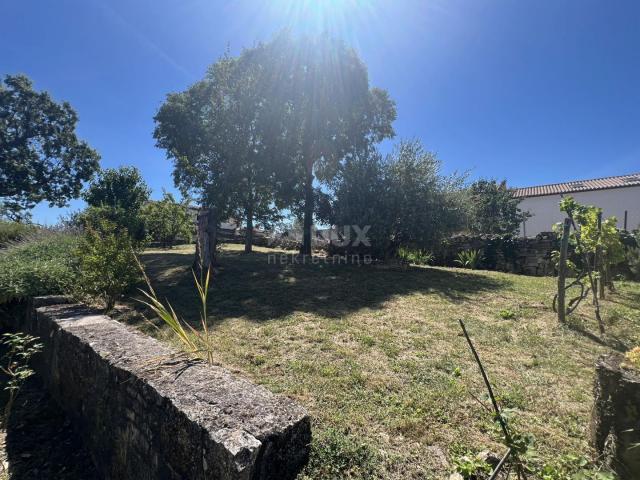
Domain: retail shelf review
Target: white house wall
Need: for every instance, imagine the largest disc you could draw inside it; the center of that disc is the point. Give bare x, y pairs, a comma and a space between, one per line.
614, 202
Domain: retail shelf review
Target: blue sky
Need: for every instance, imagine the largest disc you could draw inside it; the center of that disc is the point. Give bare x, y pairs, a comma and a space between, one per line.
532, 91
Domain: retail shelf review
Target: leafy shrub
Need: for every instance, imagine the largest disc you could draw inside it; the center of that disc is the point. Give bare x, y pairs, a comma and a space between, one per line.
11, 232
39, 266
166, 220
471, 467
20, 348
415, 256
107, 261
469, 259
129, 220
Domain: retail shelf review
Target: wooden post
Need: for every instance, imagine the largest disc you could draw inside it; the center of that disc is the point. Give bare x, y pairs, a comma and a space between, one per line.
562, 270
626, 217
600, 265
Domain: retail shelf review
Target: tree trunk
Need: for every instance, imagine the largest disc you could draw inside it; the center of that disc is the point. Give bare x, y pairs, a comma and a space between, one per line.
248, 236
206, 240
308, 212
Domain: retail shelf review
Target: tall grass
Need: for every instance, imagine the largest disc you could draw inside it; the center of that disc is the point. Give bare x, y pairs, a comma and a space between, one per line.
197, 343
42, 264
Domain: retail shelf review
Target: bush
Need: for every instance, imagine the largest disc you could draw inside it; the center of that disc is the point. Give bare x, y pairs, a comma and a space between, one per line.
11, 232
415, 256
167, 220
469, 259
40, 266
107, 261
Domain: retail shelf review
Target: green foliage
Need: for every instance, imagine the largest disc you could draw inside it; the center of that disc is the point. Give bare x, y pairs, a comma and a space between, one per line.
259, 127
633, 256
471, 467
107, 262
19, 348
117, 195
336, 454
507, 314
40, 266
415, 256
555, 261
493, 208
567, 467
41, 159
167, 220
469, 259
607, 240
192, 340
330, 111
121, 188
404, 199
11, 232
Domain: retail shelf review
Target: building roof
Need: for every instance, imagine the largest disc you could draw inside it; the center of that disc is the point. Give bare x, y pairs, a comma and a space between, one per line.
630, 180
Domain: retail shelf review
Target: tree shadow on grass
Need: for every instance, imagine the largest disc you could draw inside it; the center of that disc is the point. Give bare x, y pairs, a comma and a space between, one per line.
608, 340
258, 287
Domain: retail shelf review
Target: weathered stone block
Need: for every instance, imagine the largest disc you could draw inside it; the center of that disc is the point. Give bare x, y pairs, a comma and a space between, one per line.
615, 425
147, 412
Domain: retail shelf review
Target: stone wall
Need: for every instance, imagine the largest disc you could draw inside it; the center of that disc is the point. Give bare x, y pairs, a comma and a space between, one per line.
528, 256
145, 411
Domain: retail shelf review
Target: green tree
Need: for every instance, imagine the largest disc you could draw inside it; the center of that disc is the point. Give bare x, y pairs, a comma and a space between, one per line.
328, 111
118, 196
428, 205
166, 220
402, 201
107, 262
191, 127
41, 159
121, 187
597, 236
493, 208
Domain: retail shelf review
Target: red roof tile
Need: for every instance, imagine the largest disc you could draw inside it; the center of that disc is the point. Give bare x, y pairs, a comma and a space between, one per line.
633, 179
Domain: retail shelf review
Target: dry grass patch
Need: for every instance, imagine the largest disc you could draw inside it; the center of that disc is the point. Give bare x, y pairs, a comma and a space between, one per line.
377, 357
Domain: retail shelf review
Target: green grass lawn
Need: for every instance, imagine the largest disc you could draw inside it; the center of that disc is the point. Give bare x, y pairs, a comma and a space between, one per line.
376, 354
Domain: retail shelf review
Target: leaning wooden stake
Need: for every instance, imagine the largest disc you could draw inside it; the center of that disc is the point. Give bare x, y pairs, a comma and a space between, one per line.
562, 270
600, 264
496, 408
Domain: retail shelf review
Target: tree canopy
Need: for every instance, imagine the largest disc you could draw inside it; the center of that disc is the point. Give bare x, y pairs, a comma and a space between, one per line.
401, 201
330, 113
166, 220
493, 208
41, 158
117, 195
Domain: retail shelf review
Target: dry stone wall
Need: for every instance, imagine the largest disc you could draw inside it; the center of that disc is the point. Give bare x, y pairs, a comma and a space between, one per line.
144, 411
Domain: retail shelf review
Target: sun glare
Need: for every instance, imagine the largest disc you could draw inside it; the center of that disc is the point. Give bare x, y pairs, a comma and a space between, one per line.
335, 17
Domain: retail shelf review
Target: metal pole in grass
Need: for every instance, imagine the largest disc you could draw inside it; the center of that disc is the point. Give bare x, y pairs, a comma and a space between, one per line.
496, 408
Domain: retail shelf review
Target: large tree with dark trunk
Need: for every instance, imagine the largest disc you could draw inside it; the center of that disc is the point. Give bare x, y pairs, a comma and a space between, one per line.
328, 111
41, 159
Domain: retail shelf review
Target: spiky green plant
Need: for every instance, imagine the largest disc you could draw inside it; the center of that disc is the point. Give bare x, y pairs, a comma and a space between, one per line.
469, 259
195, 342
